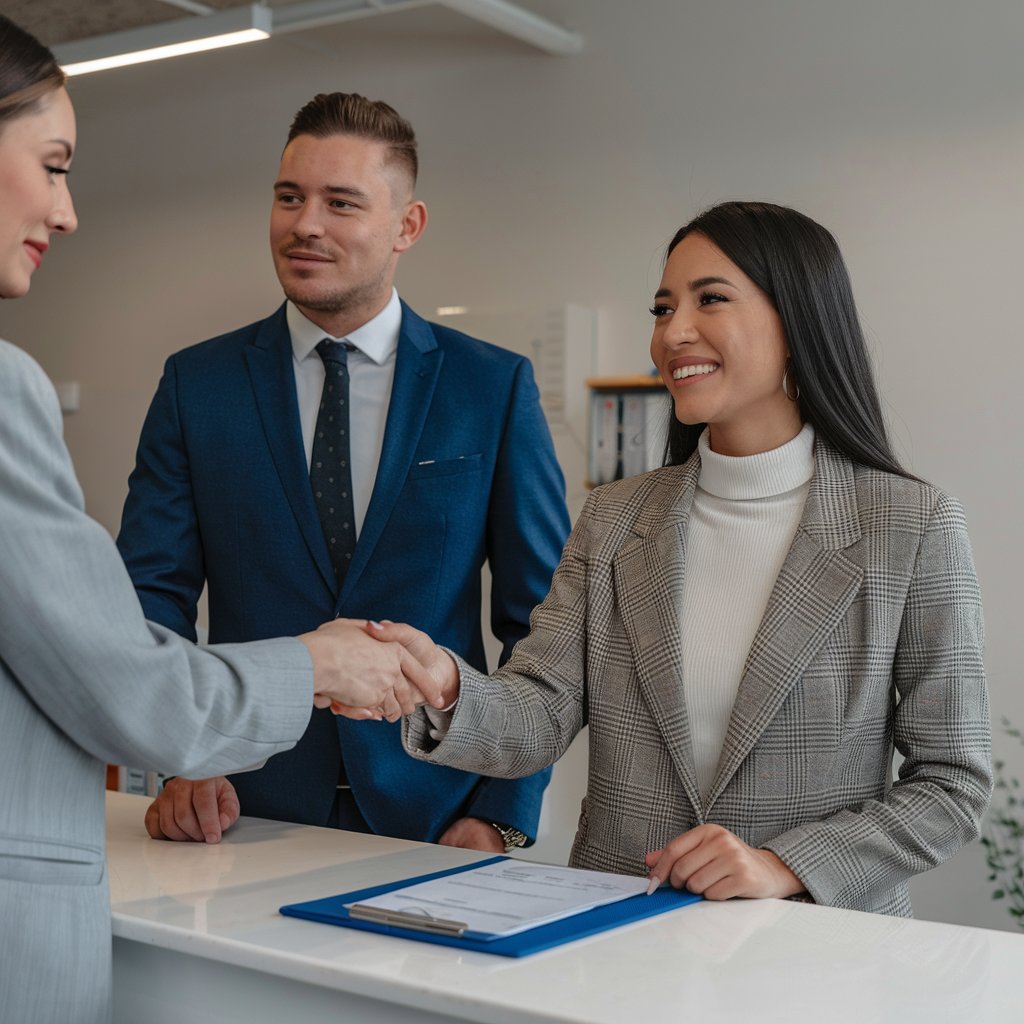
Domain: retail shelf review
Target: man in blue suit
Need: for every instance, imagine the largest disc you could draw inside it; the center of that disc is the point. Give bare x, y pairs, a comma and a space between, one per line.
346, 457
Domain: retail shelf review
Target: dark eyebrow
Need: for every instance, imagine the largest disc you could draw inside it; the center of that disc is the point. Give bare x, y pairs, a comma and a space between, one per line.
703, 282
346, 190
695, 286
334, 190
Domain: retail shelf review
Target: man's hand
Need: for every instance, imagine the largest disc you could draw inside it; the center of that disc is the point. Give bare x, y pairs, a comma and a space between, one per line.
362, 677
713, 861
200, 810
473, 834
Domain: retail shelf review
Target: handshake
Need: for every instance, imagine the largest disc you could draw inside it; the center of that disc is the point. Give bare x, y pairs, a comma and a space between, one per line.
371, 670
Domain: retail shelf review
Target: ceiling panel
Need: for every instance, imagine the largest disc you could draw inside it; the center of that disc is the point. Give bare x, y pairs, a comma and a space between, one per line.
60, 21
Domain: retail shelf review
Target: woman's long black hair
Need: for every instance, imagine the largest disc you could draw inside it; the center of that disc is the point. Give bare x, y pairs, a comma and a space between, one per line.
797, 264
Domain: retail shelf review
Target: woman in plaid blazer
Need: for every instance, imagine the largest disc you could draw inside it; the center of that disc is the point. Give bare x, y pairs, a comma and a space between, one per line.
870, 640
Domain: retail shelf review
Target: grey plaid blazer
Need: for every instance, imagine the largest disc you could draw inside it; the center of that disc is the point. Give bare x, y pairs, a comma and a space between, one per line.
871, 640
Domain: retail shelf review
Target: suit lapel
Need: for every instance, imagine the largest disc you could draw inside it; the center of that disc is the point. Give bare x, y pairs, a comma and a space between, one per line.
269, 360
814, 589
649, 571
417, 365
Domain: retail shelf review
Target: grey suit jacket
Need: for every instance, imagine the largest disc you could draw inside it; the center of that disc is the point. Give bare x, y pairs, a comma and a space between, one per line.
871, 640
85, 680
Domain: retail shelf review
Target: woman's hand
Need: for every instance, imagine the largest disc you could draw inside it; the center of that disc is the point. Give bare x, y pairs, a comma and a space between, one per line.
714, 862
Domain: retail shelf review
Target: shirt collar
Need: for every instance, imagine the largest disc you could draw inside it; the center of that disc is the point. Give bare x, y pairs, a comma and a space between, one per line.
377, 338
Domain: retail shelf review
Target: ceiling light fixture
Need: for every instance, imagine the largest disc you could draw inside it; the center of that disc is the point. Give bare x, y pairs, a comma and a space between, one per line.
166, 39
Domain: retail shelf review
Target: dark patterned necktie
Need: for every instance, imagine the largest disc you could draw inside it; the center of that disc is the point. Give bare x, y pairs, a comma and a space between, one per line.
330, 471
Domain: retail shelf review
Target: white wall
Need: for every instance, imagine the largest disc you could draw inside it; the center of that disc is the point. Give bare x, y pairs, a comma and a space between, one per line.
898, 123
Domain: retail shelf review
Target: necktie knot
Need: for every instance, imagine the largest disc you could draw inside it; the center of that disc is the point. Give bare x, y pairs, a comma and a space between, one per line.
331, 351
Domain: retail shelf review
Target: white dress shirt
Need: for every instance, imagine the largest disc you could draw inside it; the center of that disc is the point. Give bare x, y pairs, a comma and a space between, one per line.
371, 370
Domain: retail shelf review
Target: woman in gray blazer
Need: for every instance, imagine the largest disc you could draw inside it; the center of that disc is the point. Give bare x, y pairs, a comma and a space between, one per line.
751, 631
84, 679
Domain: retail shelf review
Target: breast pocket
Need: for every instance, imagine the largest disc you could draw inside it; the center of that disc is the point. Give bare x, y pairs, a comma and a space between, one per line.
455, 489
437, 529
432, 469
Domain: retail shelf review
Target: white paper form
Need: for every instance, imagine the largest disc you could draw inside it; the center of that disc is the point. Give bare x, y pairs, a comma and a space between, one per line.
508, 896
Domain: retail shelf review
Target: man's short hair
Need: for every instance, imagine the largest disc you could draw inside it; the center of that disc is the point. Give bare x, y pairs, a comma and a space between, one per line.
348, 113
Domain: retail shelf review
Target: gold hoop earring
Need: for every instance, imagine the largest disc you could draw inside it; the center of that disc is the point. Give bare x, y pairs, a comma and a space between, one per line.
785, 386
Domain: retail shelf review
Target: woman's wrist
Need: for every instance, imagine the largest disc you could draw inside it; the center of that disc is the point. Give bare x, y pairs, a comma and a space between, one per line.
450, 681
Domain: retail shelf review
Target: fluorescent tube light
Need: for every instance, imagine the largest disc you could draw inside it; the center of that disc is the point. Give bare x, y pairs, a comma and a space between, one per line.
166, 39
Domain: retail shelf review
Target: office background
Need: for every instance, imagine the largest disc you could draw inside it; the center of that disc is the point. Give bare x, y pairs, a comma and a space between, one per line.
552, 180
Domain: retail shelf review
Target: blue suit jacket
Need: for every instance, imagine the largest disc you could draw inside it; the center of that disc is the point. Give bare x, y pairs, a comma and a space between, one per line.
220, 494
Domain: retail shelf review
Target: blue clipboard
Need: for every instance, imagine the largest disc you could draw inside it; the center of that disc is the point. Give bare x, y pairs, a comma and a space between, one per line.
333, 910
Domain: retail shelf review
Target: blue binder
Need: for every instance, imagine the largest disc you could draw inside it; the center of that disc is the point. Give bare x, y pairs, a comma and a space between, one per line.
333, 910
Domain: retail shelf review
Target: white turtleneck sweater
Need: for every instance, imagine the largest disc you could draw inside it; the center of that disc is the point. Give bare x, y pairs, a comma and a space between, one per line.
746, 510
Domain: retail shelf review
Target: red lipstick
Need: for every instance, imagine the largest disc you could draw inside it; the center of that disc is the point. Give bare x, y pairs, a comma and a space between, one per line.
35, 250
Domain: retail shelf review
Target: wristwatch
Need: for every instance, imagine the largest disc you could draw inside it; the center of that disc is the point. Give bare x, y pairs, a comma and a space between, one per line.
514, 839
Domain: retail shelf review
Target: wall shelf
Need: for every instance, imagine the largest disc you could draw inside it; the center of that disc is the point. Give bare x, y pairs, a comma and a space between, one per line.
629, 417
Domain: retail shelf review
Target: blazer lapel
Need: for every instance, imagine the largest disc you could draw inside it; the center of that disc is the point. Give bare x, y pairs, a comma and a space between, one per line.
649, 571
269, 359
815, 587
417, 365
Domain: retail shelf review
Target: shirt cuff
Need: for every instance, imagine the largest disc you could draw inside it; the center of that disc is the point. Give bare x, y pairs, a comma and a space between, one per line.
440, 720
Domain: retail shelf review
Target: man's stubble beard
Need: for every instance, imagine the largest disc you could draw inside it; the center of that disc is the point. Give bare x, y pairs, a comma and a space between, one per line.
343, 300
334, 302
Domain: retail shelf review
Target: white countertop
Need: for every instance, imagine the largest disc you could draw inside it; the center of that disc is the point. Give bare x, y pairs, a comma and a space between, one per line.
763, 960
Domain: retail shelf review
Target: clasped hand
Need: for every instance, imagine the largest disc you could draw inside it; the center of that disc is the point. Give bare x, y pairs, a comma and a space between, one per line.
366, 670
